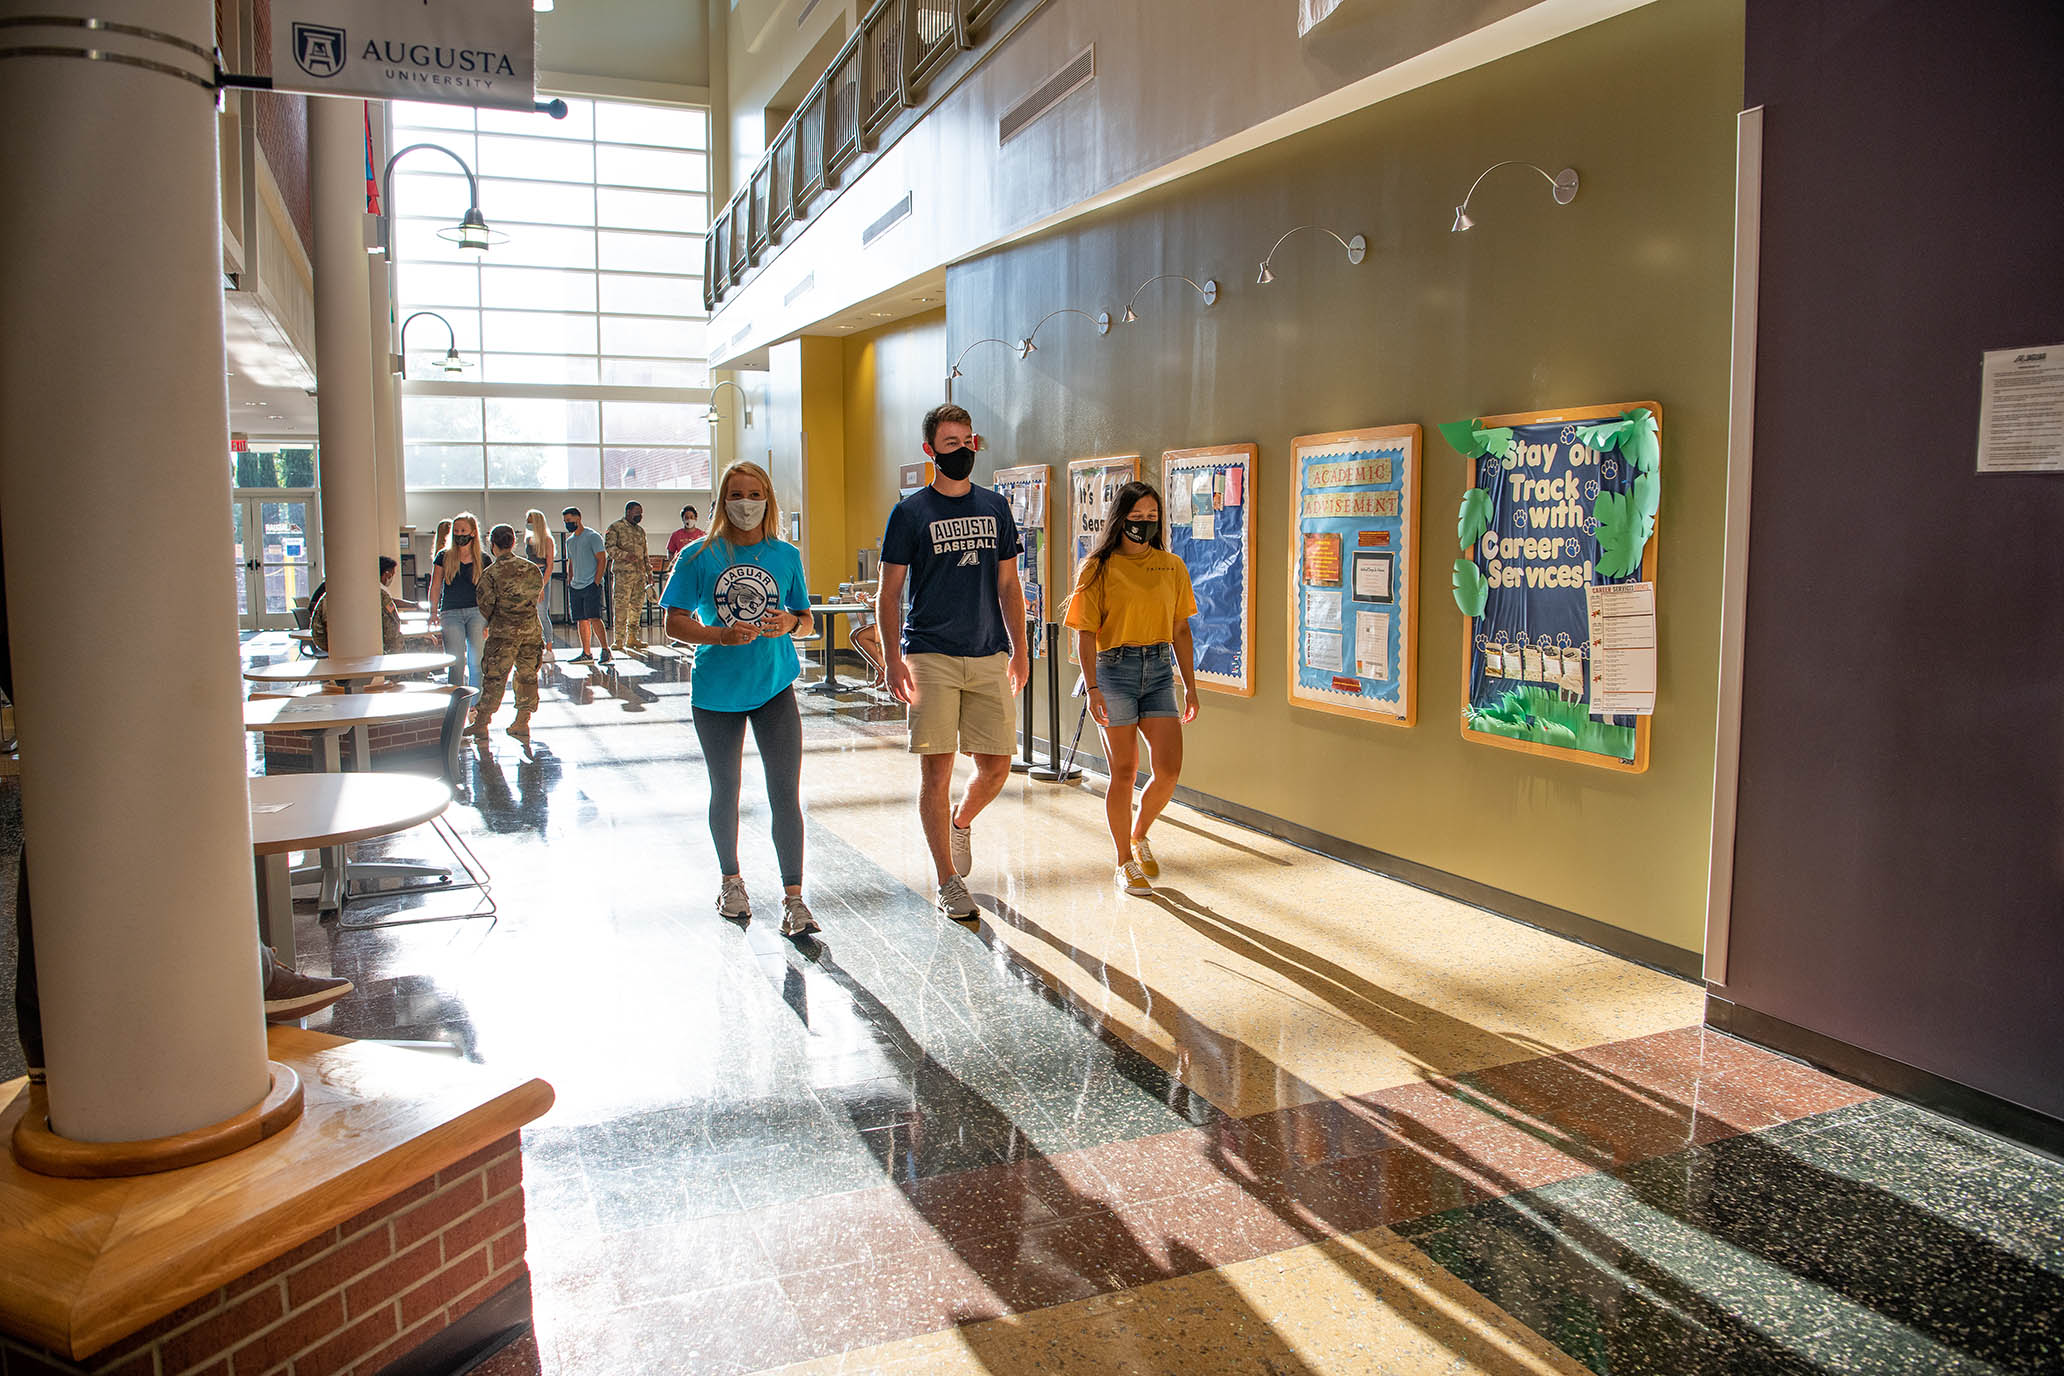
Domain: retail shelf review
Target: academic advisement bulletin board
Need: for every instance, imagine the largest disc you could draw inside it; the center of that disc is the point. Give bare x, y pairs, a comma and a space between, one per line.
1092, 483
1207, 496
1534, 614
1026, 489
1354, 566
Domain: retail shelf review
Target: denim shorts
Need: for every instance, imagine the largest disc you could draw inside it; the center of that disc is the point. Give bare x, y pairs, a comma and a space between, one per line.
1137, 681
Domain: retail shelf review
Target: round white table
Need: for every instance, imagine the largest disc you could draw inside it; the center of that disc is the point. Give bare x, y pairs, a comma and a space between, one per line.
291, 812
335, 670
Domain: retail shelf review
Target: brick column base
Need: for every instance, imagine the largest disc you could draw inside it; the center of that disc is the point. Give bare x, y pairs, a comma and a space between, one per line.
356, 1299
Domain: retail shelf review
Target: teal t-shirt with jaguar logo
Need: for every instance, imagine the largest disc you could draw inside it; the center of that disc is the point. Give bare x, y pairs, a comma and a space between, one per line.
730, 585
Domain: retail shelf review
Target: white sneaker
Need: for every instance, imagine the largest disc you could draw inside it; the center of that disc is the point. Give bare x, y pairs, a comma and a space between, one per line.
956, 902
796, 919
963, 847
731, 899
1144, 853
1133, 879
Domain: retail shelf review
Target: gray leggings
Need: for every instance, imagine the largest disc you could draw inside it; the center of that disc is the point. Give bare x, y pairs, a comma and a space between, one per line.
777, 727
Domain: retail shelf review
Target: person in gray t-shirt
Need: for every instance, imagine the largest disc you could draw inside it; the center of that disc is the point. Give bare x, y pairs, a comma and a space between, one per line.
582, 551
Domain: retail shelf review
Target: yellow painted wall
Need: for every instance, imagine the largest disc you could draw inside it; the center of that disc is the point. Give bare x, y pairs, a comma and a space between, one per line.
1621, 296
825, 558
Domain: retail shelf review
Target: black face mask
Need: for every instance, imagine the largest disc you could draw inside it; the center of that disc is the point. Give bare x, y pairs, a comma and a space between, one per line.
572, 525
636, 519
955, 464
463, 539
1142, 531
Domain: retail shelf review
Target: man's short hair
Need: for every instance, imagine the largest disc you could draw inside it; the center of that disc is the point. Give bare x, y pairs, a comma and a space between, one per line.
689, 513
502, 537
570, 511
629, 507
387, 567
945, 414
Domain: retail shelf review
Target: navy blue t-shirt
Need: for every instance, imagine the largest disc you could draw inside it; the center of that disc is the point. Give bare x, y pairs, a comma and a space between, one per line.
952, 546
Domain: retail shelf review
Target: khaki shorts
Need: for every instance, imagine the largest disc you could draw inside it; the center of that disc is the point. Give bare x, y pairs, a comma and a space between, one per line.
961, 705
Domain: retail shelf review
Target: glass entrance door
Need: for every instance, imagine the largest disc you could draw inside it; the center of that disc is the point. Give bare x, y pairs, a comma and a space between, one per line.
276, 539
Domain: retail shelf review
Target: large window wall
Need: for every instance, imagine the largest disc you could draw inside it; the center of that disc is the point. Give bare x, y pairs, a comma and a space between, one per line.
583, 334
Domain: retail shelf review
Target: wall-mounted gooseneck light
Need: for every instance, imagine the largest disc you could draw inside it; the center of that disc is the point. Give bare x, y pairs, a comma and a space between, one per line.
450, 363
955, 372
713, 416
471, 232
1027, 345
1357, 248
1563, 184
1209, 291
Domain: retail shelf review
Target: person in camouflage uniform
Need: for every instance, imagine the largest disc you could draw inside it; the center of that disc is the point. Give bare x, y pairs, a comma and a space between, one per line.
631, 572
507, 590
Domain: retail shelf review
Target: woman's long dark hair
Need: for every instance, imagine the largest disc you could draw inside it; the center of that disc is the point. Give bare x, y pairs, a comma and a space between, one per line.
1121, 506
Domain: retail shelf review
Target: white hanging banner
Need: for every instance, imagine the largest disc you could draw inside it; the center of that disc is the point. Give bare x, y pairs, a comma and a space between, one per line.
464, 52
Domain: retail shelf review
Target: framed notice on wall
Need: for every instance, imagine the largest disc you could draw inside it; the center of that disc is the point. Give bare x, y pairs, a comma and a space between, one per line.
1556, 581
1207, 496
1354, 573
1025, 488
1092, 486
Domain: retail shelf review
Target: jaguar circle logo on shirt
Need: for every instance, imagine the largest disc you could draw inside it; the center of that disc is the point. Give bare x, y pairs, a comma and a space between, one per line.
745, 592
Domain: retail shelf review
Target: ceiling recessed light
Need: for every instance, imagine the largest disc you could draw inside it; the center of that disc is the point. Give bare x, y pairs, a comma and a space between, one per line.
881, 315
275, 417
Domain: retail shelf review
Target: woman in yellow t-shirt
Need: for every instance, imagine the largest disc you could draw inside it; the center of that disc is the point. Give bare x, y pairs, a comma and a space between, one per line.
1131, 613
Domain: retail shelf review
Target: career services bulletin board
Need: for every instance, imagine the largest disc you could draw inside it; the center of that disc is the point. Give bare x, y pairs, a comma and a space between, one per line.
1092, 485
1354, 573
1025, 489
1208, 499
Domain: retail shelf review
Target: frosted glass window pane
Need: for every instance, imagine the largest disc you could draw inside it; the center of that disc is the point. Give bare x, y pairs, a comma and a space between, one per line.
655, 422
540, 420
655, 372
651, 295
666, 126
443, 465
440, 418
565, 368
668, 171
424, 114
427, 335
544, 247
540, 465
538, 289
657, 336
578, 124
656, 467
538, 332
545, 159
650, 252
434, 284
652, 210
551, 203
416, 241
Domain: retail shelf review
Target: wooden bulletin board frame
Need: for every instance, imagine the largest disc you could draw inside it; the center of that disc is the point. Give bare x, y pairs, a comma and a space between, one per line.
1405, 577
1639, 764
1039, 475
1128, 465
1243, 459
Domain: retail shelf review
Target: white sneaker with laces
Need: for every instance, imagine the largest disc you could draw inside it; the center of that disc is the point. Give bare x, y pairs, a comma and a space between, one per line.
796, 919
956, 902
732, 900
1133, 879
1144, 853
963, 847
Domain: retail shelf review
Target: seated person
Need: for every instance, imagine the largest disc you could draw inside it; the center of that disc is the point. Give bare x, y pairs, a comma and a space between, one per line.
390, 618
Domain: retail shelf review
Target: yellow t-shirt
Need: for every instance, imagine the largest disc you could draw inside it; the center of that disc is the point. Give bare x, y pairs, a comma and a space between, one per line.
1139, 599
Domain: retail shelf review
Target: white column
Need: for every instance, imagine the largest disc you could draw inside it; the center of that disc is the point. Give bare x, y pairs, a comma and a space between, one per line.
386, 411
134, 801
343, 376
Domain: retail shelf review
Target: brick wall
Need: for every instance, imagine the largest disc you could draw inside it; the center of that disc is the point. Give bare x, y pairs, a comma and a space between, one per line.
281, 122
349, 1301
394, 736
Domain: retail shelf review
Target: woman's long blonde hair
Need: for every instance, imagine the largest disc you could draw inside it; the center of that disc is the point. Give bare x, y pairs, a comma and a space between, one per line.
451, 560
540, 537
720, 527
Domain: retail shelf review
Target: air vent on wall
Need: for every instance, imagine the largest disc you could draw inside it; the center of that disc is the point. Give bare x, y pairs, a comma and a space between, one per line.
801, 289
1079, 72
893, 216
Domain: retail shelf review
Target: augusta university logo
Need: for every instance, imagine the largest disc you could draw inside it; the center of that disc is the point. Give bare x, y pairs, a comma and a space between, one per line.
319, 49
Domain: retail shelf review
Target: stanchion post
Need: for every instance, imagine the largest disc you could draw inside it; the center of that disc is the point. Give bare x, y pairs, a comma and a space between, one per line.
1025, 708
1050, 772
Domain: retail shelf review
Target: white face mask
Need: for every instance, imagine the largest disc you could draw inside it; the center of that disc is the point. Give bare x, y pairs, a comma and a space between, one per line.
745, 513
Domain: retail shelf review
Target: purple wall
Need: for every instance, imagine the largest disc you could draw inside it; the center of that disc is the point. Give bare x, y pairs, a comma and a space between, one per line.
1899, 867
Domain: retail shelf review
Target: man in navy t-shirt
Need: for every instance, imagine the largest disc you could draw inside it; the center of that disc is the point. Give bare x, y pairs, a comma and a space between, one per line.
961, 658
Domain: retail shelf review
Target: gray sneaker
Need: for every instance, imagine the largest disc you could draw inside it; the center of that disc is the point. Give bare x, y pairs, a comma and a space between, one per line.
955, 901
963, 848
731, 899
290, 995
796, 919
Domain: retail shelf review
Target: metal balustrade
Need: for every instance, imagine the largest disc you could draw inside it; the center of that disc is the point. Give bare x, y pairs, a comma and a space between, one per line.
881, 72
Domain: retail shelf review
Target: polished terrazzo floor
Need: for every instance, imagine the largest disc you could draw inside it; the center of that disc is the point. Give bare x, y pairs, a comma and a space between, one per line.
1286, 1117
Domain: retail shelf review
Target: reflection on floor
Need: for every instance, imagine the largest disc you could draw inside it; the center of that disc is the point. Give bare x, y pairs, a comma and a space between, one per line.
1286, 1117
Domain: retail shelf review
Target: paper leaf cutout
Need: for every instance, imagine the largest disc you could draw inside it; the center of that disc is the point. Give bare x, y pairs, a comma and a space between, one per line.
1462, 435
1474, 518
1648, 497
1642, 446
1495, 441
1622, 533
1471, 590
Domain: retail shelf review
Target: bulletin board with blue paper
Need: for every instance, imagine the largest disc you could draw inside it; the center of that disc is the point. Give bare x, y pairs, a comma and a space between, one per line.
1556, 581
1024, 487
1208, 498
1354, 573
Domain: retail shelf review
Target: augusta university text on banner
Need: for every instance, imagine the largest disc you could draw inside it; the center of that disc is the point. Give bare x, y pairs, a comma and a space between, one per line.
467, 52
